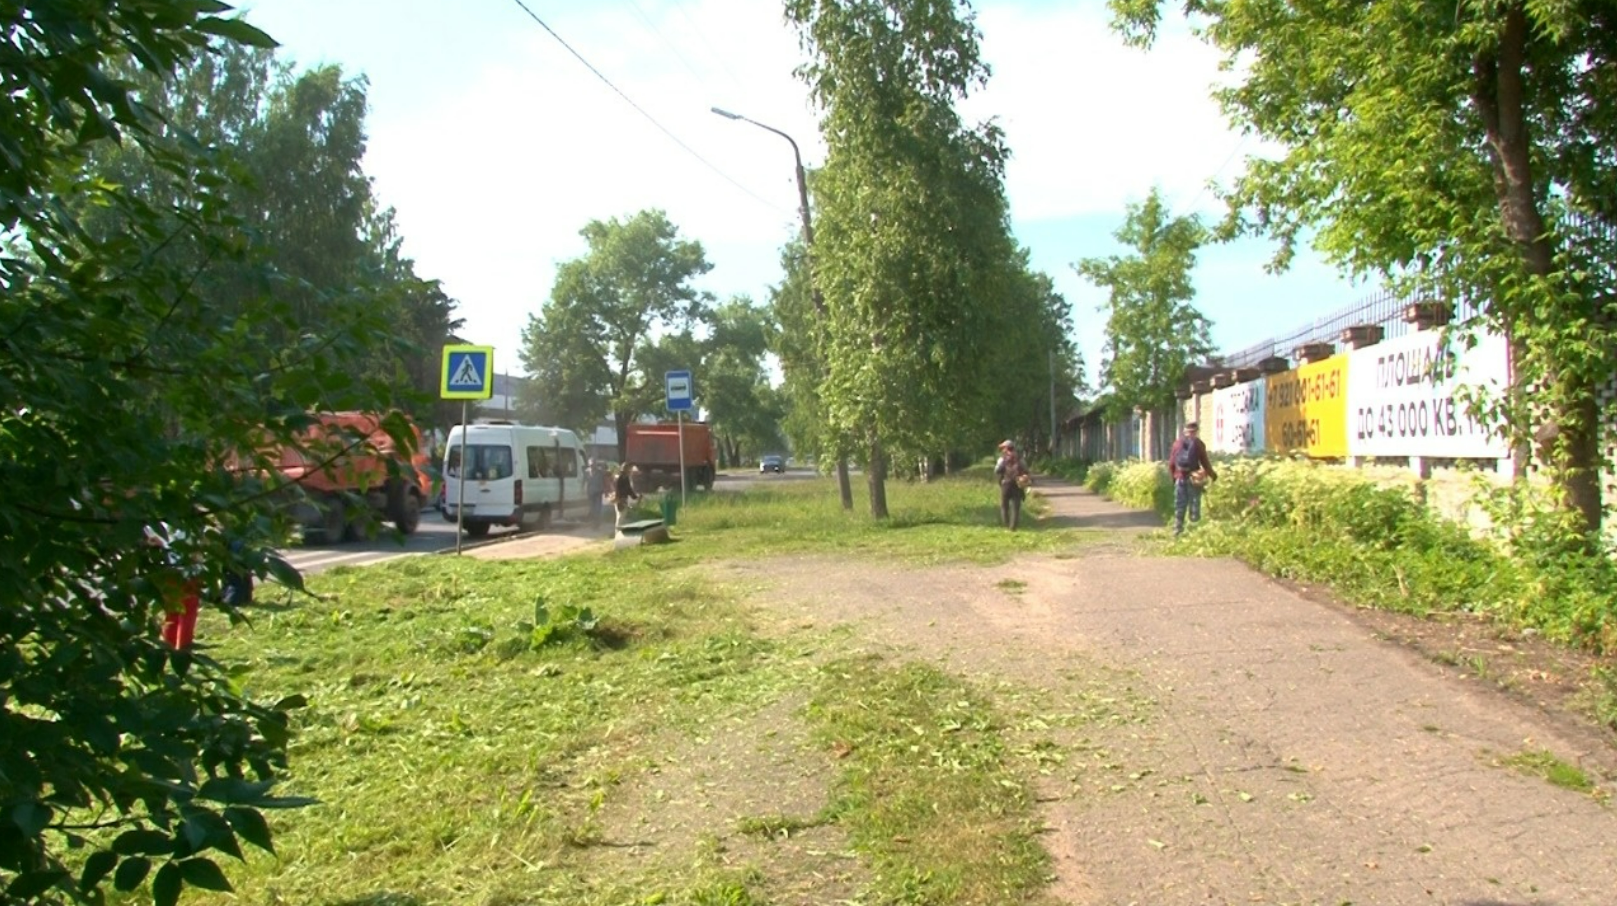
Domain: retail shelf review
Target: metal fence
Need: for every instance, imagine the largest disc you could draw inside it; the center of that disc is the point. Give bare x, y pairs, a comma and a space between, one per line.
1596, 238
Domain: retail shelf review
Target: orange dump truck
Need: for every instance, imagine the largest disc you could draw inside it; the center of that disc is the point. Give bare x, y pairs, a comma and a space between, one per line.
345, 456
655, 450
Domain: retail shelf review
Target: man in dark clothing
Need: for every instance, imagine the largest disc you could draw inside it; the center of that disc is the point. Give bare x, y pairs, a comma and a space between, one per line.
623, 493
1010, 471
1189, 466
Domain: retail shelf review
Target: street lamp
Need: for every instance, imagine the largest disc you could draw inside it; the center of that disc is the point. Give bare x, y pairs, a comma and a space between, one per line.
802, 183
843, 484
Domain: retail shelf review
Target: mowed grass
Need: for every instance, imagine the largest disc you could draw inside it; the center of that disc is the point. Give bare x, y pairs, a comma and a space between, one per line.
466, 748
948, 520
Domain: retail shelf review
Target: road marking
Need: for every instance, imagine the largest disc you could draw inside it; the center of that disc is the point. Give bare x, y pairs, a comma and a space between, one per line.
313, 561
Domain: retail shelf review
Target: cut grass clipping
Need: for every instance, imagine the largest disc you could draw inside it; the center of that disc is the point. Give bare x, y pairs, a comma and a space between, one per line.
926, 793
481, 731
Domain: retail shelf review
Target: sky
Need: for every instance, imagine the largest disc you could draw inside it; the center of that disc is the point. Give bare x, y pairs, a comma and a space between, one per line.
495, 144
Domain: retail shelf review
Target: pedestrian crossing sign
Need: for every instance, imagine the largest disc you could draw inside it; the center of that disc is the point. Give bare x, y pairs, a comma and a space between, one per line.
468, 373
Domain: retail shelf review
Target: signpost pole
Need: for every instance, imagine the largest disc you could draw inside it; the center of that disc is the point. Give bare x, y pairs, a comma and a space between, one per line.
460, 503
681, 414
468, 374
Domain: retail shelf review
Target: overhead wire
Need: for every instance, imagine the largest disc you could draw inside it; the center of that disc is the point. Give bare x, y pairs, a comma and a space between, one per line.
1184, 209
640, 110
652, 27
702, 36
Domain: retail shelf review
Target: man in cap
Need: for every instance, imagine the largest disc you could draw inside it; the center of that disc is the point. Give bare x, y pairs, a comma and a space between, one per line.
1012, 474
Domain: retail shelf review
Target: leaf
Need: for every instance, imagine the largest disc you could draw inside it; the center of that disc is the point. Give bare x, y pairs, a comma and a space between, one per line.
236, 30
30, 885
284, 572
144, 841
166, 886
205, 874
286, 802
131, 872
31, 817
234, 790
292, 702
96, 868
250, 825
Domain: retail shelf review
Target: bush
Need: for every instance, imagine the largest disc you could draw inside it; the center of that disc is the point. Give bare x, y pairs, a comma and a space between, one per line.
1075, 470
1099, 477
1370, 537
1144, 486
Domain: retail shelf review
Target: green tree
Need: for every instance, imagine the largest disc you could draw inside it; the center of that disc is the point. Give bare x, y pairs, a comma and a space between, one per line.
1457, 149
1153, 332
913, 246
581, 348
320, 233
135, 400
745, 410
796, 344
1039, 374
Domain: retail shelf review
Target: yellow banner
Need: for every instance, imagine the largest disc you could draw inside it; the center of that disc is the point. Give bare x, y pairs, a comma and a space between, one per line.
1306, 410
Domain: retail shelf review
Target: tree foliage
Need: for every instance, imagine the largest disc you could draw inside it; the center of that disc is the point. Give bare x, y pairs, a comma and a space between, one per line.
296, 145
797, 343
1039, 369
913, 251
745, 410
582, 348
1460, 149
1153, 332
138, 397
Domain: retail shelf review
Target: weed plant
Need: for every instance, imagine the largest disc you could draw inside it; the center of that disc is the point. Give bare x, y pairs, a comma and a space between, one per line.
477, 730
1099, 477
1381, 546
1065, 468
1144, 486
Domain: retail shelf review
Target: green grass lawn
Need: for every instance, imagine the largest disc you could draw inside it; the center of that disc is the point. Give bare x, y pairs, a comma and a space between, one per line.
473, 726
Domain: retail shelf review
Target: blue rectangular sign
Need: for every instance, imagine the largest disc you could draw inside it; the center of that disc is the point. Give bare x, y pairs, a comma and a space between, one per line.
678, 385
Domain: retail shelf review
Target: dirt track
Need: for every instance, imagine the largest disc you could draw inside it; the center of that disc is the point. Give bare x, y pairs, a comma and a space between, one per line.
1273, 749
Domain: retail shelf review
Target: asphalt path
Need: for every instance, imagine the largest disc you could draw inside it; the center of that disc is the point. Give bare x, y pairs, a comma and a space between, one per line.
435, 534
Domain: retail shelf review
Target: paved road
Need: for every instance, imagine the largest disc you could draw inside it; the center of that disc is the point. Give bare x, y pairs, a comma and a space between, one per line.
434, 535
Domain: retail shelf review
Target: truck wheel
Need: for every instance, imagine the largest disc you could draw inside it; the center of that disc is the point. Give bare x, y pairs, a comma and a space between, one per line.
333, 520
408, 519
477, 529
707, 479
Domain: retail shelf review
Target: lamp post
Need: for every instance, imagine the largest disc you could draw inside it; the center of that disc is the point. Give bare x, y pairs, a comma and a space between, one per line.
843, 484
802, 182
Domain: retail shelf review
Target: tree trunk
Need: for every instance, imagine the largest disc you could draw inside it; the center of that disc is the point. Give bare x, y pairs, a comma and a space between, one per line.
1500, 92
843, 484
876, 479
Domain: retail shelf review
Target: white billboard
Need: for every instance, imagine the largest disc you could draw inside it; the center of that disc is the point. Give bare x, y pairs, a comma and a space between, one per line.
1404, 400
1237, 419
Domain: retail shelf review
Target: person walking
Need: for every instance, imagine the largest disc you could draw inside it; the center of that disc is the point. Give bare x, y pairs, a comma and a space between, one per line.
623, 492
1013, 482
1189, 467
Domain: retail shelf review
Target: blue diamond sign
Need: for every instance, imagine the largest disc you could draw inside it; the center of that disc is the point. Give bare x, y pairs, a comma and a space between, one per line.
468, 373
